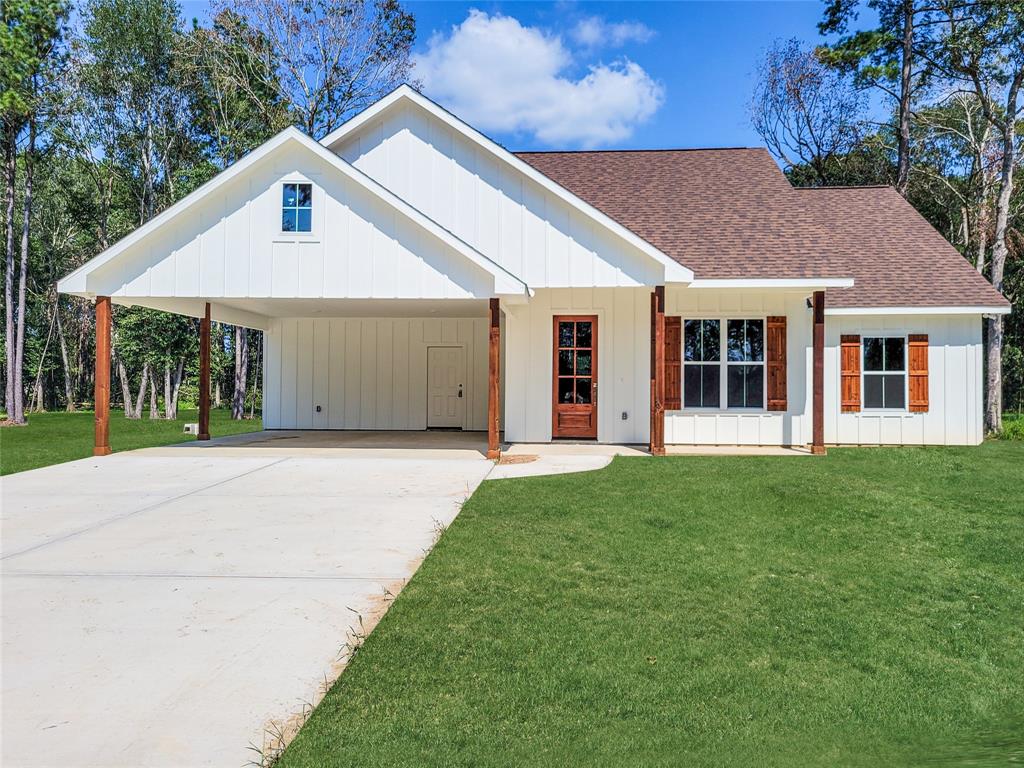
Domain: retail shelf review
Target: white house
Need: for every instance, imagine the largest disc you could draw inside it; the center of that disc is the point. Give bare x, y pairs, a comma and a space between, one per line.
409, 273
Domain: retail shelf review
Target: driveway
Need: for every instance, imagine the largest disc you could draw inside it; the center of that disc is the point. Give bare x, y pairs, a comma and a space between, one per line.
163, 607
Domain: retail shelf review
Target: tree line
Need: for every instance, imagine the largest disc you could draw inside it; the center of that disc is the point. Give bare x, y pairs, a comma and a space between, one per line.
114, 110
949, 76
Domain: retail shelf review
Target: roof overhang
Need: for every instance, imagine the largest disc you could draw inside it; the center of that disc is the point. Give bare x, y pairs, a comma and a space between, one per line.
674, 271
505, 283
965, 310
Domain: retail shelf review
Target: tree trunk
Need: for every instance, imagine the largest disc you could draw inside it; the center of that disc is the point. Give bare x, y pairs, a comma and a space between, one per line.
241, 370
126, 394
154, 412
69, 390
167, 390
37, 388
10, 180
256, 378
906, 69
19, 350
141, 397
175, 389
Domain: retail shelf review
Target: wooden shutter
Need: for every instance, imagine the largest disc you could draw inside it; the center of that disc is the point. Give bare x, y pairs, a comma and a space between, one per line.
775, 358
917, 369
849, 350
673, 363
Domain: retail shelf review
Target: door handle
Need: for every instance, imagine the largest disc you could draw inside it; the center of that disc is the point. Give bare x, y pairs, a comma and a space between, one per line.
460, 390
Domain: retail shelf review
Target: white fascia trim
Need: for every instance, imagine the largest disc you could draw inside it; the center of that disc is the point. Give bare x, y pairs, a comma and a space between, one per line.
975, 310
674, 271
504, 281
795, 283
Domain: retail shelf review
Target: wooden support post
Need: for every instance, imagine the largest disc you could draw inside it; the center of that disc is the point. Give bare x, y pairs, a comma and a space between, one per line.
101, 404
657, 432
204, 375
493, 382
818, 410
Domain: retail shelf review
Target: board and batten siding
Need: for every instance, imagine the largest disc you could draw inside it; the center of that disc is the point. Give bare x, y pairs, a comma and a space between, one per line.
623, 358
365, 373
509, 218
955, 383
230, 246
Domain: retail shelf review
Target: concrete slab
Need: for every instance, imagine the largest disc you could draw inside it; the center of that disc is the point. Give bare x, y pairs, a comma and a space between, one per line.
189, 597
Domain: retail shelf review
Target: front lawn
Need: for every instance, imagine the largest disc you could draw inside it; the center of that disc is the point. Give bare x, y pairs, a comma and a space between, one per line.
53, 438
866, 609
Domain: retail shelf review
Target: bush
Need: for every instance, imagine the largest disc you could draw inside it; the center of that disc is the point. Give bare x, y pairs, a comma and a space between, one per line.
1013, 427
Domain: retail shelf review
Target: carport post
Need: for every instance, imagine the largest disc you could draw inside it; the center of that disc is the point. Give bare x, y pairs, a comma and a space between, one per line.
493, 378
818, 377
657, 431
204, 375
101, 396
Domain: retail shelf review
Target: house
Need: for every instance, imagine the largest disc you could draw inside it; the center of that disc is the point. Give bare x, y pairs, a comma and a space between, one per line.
409, 273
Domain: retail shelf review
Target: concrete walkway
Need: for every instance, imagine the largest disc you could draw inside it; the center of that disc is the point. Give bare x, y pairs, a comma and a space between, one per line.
163, 607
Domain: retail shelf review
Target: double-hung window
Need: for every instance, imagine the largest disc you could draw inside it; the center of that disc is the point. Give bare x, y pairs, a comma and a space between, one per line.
885, 372
702, 366
733, 379
745, 374
297, 207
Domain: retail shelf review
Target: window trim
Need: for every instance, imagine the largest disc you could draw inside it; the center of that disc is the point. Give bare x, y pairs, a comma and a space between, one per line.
905, 373
724, 363
282, 208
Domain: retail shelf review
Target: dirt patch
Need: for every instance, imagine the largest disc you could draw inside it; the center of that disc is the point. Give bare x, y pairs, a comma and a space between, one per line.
519, 458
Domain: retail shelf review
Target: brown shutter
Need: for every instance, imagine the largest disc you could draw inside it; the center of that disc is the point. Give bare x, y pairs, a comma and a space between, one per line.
849, 350
917, 368
673, 363
776, 361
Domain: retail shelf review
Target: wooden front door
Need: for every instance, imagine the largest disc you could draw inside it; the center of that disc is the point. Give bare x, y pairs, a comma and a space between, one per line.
574, 389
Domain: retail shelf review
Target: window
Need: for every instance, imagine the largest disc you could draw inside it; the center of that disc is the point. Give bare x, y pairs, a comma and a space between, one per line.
702, 369
885, 372
297, 208
735, 379
745, 374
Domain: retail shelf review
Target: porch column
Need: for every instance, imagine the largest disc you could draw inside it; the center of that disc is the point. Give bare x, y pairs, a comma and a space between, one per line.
493, 381
101, 397
204, 375
818, 410
657, 432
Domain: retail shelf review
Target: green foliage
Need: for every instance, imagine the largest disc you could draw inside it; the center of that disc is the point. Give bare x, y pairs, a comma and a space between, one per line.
30, 30
858, 610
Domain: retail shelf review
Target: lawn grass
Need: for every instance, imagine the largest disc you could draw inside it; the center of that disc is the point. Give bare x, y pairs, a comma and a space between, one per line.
863, 609
53, 438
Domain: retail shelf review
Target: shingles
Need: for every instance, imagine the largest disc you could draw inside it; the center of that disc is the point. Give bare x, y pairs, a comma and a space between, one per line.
731, 213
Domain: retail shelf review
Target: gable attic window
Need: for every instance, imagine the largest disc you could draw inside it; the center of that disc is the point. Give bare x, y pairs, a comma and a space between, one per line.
885, 372
297, 207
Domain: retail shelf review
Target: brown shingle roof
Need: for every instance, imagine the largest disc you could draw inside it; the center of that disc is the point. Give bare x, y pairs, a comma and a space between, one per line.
729, 213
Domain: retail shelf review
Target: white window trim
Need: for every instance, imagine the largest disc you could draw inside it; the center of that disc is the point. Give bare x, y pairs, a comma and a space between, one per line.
723, 363
905, 372
311, 234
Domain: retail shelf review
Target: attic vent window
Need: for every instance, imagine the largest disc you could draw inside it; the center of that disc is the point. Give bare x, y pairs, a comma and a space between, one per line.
297, 208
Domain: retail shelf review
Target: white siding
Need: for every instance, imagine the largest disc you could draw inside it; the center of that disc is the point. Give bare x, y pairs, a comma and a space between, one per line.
504, 215
623, 359
365, 373
230, 246
955, 385
754, 427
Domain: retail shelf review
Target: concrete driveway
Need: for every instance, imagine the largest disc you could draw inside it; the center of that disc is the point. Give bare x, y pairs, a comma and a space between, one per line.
163, 607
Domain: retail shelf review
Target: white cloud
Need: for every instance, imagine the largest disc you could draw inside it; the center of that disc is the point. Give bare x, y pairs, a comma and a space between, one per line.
502, 77
595, 32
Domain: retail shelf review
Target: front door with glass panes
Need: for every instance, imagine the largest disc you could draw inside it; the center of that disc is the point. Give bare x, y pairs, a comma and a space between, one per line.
574, 390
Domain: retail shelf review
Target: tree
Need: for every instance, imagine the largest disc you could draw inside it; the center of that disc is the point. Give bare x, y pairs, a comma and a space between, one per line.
886, 58
331, 57
982, 45
29, 42
808, 114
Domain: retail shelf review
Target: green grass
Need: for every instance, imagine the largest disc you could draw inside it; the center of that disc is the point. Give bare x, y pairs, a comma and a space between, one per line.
53, 438
1013, 426
863, 609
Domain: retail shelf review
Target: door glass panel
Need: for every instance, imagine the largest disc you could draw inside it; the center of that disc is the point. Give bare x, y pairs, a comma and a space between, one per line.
565, 362
583, 363
565, 334
583, 334
583, 391
565, 390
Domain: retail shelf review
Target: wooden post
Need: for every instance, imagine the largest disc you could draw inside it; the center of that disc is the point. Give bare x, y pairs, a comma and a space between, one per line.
493, 382
818, 411
101, 404
657, 432
204, 375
